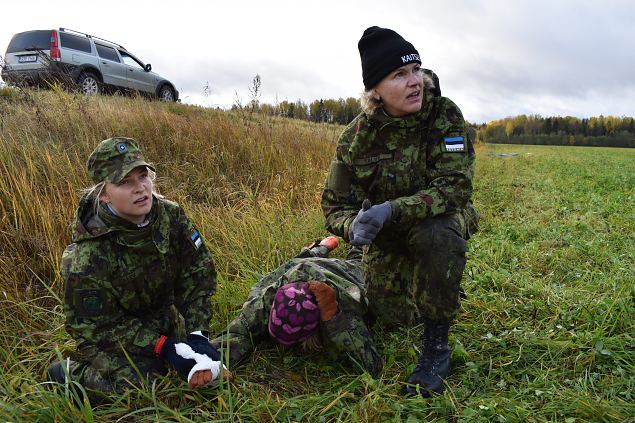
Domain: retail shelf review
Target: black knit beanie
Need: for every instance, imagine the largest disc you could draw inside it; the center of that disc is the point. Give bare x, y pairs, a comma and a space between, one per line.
382, 50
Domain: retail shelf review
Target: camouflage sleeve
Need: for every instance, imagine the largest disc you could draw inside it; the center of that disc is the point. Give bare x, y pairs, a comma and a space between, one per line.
197, 282
450, 170
250, 327
94, 315
341, 198
347, 336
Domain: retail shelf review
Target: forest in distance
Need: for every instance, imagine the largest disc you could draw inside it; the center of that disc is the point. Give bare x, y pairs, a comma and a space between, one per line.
595, 131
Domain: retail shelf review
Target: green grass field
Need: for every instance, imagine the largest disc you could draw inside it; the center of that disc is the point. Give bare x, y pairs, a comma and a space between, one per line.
546, 333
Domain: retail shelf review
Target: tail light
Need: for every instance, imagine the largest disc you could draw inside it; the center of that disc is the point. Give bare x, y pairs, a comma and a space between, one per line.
55, 47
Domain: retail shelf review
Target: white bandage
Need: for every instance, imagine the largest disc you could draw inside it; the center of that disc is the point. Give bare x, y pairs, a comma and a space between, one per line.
203, 362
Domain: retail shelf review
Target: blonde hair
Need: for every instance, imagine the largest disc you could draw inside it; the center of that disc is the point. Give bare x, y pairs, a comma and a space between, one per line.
370, 104
95, 191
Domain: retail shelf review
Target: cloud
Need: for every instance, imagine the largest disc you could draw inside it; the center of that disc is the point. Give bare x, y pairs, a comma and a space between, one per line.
279, 81
497, 59
493, 58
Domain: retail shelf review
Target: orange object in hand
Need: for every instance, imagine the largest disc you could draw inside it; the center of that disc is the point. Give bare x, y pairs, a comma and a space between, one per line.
326, 298
331, 242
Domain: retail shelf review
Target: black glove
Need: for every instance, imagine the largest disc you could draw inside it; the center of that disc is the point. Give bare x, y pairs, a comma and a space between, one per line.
165, 348
200, 344
189, 356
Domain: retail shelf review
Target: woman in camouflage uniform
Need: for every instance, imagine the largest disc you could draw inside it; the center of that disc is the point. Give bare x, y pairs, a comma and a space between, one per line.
400, 185
138, 280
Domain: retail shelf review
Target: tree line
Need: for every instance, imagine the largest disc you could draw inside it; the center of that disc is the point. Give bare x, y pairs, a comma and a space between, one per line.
606, 131
340, 111
601, 131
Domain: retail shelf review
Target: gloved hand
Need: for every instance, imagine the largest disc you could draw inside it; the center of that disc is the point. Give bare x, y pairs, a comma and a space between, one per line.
200, 344
368, 222
199, 368
326, 299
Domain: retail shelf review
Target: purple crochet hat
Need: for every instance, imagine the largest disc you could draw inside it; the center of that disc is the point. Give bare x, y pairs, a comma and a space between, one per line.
294, 314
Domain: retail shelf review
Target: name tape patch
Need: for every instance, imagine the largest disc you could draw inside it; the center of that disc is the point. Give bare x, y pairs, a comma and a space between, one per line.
454, 144
413, 57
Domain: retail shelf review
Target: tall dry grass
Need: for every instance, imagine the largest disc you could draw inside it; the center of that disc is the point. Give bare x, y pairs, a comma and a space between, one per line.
223, 167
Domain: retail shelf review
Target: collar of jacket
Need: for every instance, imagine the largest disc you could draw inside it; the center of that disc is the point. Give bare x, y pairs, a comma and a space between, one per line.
336, 273
381, 121
127, 233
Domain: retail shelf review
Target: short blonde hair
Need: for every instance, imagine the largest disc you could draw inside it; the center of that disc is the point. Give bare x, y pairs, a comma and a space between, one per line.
370, 104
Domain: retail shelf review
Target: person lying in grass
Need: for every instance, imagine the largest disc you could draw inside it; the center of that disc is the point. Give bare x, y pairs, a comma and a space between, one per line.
311, 302
138, 279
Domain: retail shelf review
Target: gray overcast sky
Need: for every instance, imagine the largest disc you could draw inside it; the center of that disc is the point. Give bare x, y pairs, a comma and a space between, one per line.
494, 58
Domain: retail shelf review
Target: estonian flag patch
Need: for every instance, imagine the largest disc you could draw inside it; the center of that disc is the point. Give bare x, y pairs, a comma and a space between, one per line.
454, 144
196, 239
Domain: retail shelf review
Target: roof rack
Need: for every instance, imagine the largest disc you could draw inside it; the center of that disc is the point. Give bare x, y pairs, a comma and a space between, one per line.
91, 36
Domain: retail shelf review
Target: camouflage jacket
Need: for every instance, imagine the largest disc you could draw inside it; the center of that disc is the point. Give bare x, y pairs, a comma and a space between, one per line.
125, 286
345, 335
422, 163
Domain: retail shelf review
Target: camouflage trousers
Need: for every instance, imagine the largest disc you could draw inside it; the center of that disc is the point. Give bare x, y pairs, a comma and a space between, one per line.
416, 275
108, 374
354, 343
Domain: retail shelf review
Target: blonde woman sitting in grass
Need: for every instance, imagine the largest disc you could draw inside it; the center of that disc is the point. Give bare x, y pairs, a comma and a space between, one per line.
138, 280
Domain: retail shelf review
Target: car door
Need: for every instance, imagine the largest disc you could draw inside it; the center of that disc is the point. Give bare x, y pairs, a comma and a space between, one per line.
138, 78
76, 50
113, 71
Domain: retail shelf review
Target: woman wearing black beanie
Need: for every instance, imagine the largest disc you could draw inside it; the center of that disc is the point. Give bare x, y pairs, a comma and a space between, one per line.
401, 185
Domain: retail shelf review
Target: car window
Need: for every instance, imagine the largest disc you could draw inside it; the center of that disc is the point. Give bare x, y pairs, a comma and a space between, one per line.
107, 53
75, 42
32, 40
129, 60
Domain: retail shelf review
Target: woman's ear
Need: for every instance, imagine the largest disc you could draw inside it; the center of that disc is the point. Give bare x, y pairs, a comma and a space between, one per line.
376, 95
103, 196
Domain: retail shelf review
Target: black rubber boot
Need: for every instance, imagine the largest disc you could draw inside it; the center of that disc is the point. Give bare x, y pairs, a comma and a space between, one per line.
434, 362
57, 370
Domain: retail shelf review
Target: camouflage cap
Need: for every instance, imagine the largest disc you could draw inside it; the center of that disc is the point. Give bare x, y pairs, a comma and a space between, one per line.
114, 158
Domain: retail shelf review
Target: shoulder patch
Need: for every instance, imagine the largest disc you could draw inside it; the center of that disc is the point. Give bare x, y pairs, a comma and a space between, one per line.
89, 302
454, 144
195, 238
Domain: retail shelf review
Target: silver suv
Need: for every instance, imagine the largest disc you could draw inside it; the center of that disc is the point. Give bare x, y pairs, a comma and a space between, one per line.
95, 65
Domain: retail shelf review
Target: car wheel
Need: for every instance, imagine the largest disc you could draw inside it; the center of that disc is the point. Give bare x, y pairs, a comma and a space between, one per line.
88, 83
166, 93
